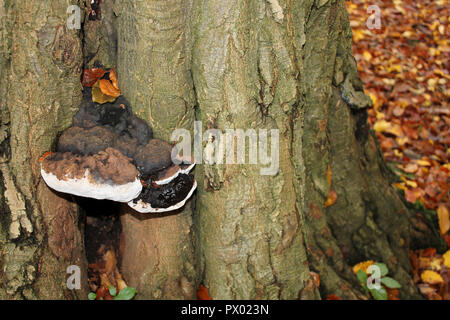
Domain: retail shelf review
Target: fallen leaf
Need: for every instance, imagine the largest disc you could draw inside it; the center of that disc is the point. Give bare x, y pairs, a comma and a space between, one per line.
113, 78
381, 126
427, 291
110, 261
400, 185
101, 292
362, 266
396, 130
202, 293
447, 240
108, 296
121, 284
108, 89
411, 168
444, 219
424, 262
367, 55
105, 282
411, 184
98, 96
332, 297
447, 259
424, 163
91, 76
436, 263
411, 195
393, 294
429, 252
431, 277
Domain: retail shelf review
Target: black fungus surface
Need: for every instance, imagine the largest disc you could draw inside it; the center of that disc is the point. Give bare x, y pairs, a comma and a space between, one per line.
116, 116
166, 195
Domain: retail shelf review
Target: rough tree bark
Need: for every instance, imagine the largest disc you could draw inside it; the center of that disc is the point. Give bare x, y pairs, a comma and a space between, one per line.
40, 230
268, 64
158, 253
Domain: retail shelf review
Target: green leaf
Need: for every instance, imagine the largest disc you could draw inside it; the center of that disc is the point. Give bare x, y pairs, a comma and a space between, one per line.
362, 276
390, 283
126, 294
92, 296
112, 291
383, 268
379, 294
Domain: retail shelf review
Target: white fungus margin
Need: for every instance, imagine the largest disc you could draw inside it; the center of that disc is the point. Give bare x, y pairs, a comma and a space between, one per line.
85, 188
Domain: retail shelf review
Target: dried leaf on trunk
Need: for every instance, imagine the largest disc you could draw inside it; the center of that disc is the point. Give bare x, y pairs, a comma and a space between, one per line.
91, 76
332, 197
113, 78
98, 96
107, 88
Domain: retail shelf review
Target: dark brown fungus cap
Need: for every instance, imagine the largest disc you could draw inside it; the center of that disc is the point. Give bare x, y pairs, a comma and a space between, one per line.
85, 141
153, 157
108, 151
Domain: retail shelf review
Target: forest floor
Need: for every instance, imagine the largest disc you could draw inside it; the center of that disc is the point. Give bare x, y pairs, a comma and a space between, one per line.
404, 65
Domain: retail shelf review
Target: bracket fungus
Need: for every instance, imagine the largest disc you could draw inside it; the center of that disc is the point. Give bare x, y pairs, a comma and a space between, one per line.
110, 153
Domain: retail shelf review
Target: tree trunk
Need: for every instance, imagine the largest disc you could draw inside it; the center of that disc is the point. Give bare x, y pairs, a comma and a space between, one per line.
40, 230
284, 65
288, 65
154, 75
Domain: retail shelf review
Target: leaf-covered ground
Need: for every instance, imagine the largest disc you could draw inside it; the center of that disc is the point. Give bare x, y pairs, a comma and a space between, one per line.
404, 66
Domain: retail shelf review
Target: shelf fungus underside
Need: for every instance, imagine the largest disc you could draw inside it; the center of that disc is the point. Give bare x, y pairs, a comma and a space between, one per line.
110, 153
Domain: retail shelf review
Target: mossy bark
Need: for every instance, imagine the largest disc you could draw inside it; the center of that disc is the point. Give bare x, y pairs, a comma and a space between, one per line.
40, 232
